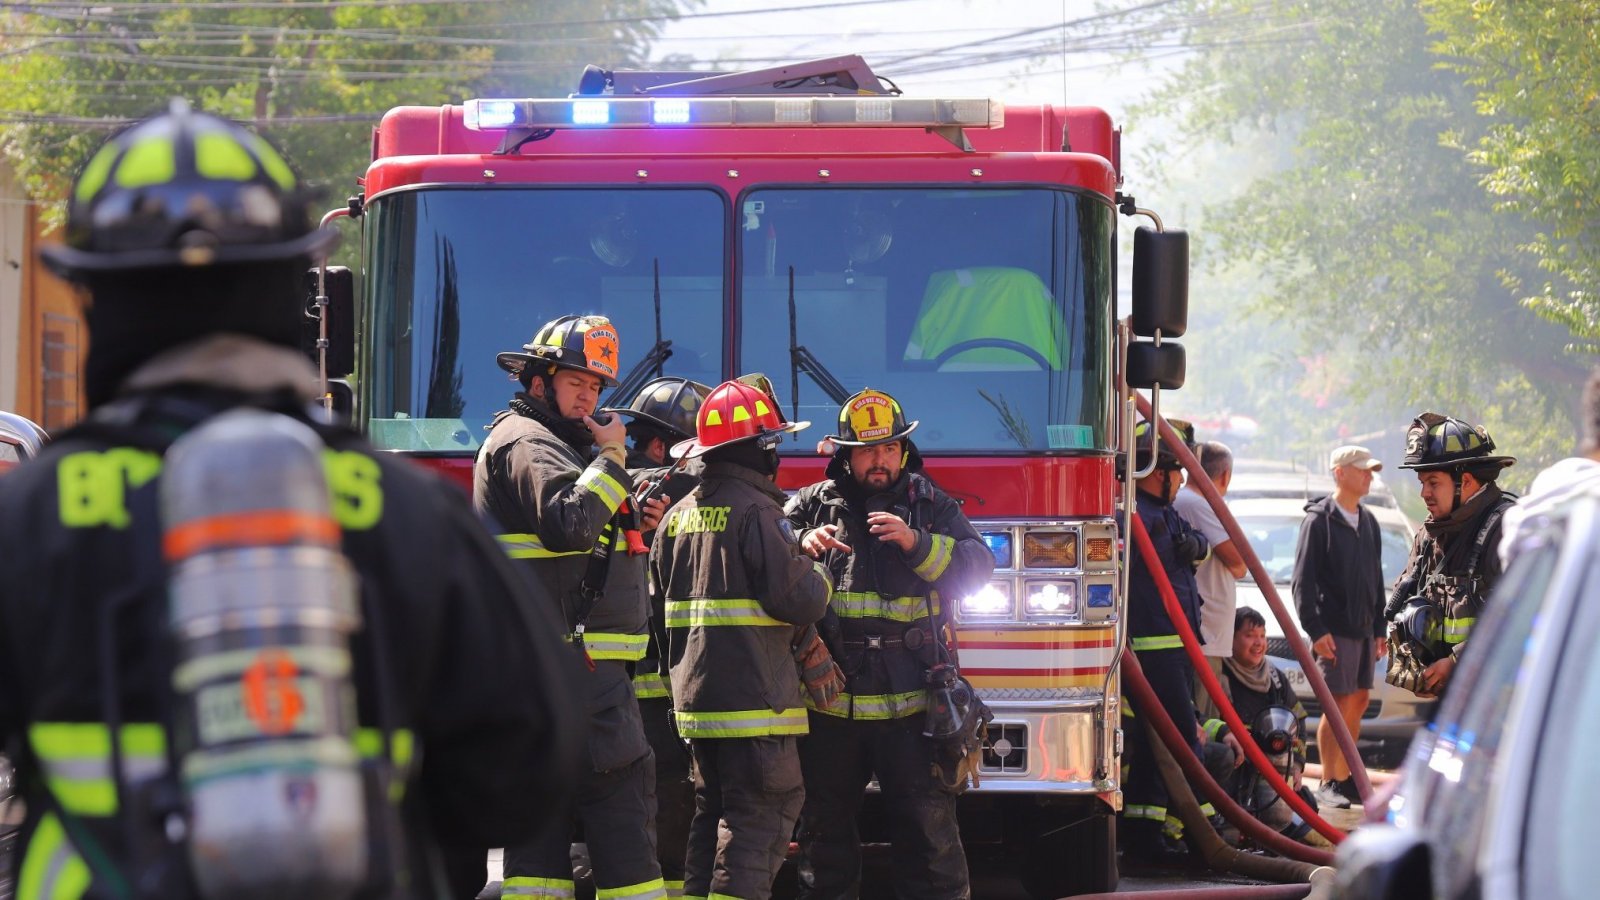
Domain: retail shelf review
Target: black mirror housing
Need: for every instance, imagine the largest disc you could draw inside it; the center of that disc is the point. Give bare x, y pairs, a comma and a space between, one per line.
341, 288
1160, 282
1150, 365
1384, 863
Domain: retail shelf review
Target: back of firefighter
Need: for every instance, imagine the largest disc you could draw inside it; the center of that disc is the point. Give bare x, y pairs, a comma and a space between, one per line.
736, 586
562, 506
891, 540
192, 239
1147, 825
1453, 564
662, 414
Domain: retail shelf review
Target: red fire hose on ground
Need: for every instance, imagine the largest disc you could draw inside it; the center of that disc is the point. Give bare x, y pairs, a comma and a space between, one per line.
1291, 630
1191, 643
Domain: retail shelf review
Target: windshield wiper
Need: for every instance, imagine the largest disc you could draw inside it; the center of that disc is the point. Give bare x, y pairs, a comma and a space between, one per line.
650, 365
803, 360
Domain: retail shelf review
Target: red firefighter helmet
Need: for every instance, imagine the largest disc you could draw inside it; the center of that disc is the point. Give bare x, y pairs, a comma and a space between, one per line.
734, 412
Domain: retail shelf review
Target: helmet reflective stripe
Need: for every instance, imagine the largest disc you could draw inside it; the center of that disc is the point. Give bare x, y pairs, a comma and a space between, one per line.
150, 161
272, 162
95, 173
218, 156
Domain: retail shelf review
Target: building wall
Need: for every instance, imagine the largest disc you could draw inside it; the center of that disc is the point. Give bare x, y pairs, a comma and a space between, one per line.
42, 339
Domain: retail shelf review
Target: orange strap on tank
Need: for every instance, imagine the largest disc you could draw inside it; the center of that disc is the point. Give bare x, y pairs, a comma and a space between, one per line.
273, 527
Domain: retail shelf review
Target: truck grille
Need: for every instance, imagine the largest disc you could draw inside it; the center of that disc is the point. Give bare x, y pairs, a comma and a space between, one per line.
1005, 749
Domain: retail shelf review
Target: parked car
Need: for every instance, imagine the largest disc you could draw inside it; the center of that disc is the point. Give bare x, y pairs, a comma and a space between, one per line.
1270, 513
20, 439
1496, 796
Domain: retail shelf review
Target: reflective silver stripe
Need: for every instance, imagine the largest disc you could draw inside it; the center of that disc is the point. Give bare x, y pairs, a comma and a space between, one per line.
941, 550
872, 605
649, 684
76, 758
605, 645
740, 723
730, 611
1154, 813
529, 546
875, 706
608, 489
523, 886
1456, 630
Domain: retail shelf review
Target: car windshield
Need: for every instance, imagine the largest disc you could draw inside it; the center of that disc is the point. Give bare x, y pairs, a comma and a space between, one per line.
461, 274
985, 313
1274, 539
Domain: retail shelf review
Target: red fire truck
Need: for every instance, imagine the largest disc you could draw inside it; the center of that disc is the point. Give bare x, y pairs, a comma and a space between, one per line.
812, 223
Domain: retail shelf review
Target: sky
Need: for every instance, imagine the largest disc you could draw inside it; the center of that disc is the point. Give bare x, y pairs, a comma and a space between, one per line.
1009, 49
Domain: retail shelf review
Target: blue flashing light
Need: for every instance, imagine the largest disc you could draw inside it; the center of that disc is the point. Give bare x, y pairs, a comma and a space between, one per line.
1100, 596
999, 543
670, 112
591, 112
497, 113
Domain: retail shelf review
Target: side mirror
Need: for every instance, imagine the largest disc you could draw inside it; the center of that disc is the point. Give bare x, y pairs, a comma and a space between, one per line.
341, 287
1150, 365
1384, 863
1160, 282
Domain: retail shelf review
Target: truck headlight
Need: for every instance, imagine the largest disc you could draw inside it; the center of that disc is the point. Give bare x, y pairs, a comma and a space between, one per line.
992, 601
1055, 599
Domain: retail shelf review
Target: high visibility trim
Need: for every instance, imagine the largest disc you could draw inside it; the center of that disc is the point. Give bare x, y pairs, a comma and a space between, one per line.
674, 888
872, 605
402, 749
608, 489
649, 684
1140, 811
606, 645
700, 613
822, 570
1173, 826
1160, 642
716, 896
529, 546
1208, 809
874, 706
150, 161
654, 889
95, 173
741, 723
219, 157
525, 886
941, 549
76, 758
52, 869
276, 168
1213, 728
1456, 630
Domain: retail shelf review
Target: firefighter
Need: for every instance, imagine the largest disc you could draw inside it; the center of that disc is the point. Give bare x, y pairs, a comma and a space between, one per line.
565, 510
890, 540
662, 415
1149, 831
736, 586
1453, 564
190, 237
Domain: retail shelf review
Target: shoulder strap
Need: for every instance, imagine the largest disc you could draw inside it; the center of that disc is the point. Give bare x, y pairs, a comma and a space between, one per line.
1482, 537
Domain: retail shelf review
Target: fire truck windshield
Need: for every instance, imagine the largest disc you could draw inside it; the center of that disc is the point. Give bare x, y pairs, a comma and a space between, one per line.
986, 313
457, 275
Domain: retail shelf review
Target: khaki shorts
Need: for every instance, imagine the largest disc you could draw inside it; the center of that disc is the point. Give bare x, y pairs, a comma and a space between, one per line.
1353, 669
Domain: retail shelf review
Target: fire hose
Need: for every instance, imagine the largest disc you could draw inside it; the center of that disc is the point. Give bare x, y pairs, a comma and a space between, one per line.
1291, 631
1214, 688
1156, 715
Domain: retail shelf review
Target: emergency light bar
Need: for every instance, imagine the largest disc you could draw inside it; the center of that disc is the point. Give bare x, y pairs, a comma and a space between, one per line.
733, 112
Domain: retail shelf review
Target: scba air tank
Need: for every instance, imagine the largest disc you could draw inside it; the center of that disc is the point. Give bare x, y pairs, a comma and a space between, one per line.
262, 604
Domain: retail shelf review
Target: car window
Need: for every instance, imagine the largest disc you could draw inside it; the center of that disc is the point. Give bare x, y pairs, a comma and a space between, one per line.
1469, 728
1395, 548
1559, 846
1273, 538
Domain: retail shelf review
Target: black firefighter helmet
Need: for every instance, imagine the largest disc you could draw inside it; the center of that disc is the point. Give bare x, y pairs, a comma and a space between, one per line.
184, 189
1445, 443
1144, 435
670, 403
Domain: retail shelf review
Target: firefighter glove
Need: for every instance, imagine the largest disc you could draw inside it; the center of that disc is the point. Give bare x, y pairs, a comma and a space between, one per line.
823, 678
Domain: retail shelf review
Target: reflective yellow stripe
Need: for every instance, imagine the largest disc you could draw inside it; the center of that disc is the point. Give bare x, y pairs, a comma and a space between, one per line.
875, 706
654, 889
1173, 826
218, 156
1455, 630
150, 161
1153, 813
76, 757
605, 645
94, 174
402, 749
528, 546
523, 886
1213, 727
747, 723
822, 570
1164, 642
608, 489
941, 550
277, 169
702, 613
52, 869
872, 605
649, 684
674, 888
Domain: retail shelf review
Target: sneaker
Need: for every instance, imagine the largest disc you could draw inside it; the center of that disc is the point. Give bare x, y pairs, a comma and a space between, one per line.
1328, 795
1347, 790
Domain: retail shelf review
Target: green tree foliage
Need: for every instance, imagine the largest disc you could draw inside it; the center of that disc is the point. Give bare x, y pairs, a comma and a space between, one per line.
313, 76
1536, 67
1360, 224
